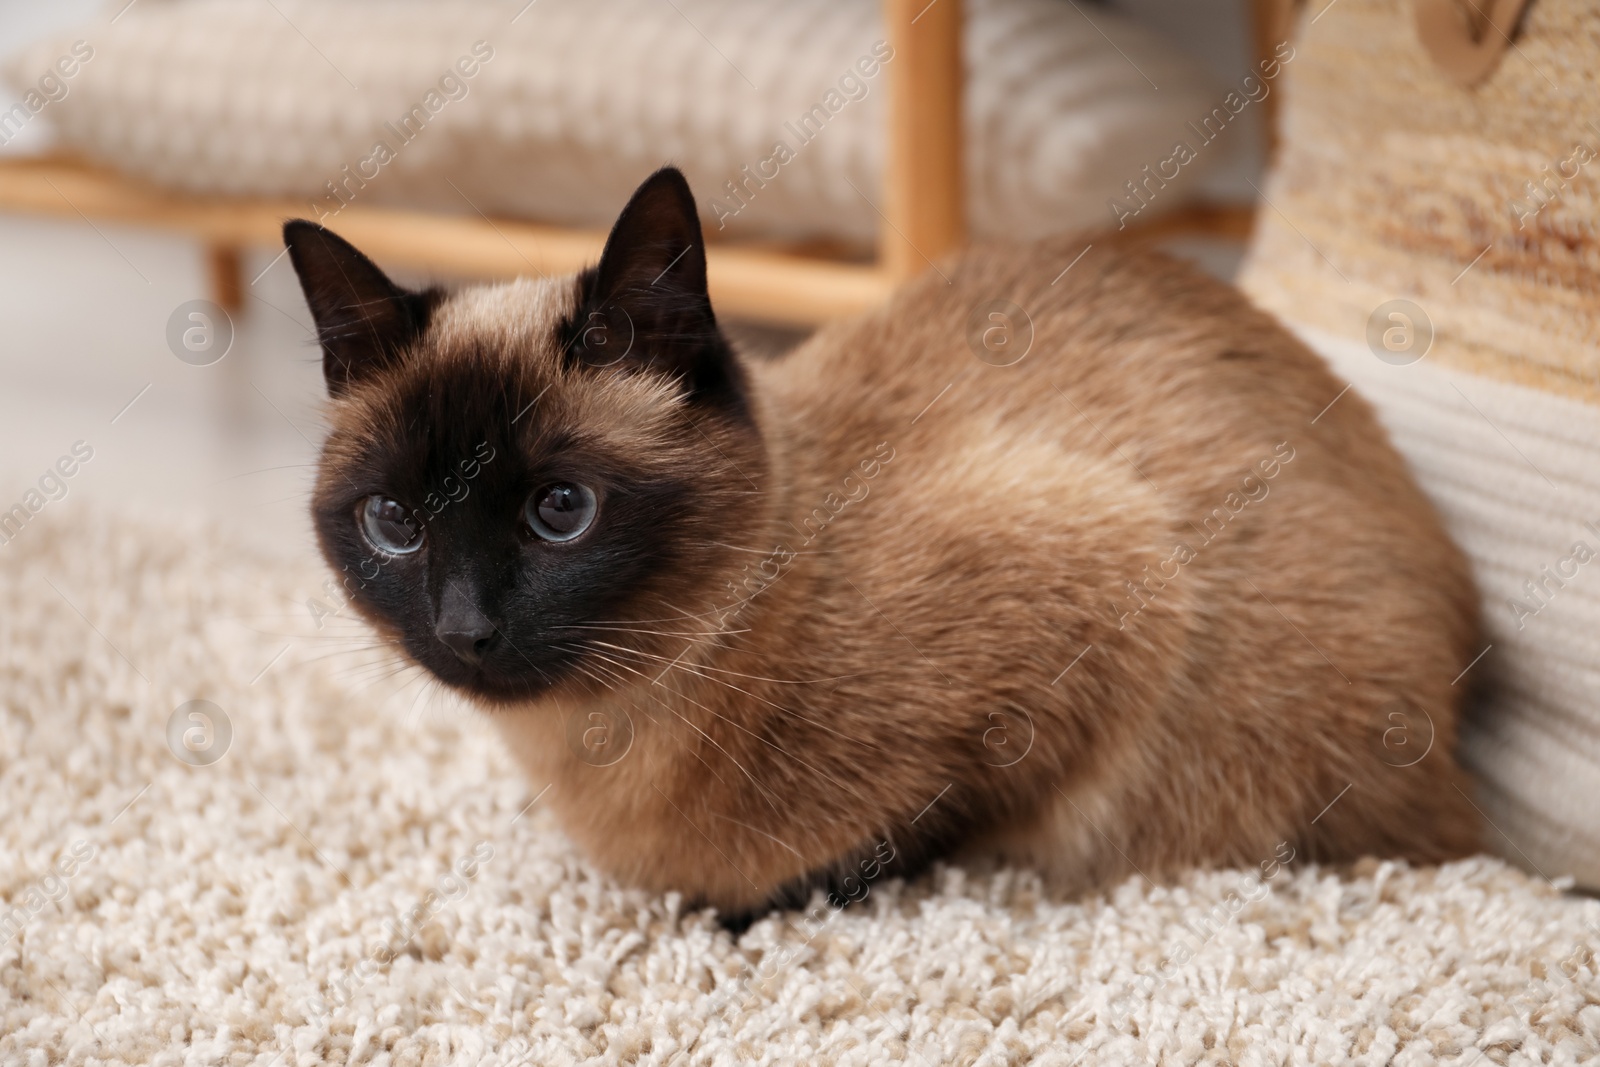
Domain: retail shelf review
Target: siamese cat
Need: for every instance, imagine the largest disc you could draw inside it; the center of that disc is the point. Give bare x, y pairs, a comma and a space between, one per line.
1097, 572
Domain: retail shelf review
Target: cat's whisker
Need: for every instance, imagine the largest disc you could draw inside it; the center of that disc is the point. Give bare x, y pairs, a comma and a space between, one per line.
426, 683
597, 673
380, 659
678, 663
771, 800
372, 668
340, 653
676, 616
687, 747
739, 726
688, 668
652, 633
769, 551
353, 642
764, 740
381, 676
429, 693
588, 671
262, 470
763, 833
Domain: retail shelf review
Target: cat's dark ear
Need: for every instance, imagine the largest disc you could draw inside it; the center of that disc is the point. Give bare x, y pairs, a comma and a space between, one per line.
646, 304
364, 320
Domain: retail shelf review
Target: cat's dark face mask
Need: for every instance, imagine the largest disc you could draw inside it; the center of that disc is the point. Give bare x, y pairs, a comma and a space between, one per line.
533, 486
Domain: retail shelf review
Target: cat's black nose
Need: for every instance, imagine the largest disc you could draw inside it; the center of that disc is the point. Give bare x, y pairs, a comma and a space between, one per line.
469, 640
462, 627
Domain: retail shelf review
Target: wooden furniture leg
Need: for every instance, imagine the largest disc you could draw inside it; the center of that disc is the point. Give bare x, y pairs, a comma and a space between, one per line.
1272, 23
225, 273
924, 208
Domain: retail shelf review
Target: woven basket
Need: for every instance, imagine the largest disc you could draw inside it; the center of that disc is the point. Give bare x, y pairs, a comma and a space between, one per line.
1438, 243
1400, 182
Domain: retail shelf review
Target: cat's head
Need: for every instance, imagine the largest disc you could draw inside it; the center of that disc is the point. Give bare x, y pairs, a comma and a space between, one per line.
519, 475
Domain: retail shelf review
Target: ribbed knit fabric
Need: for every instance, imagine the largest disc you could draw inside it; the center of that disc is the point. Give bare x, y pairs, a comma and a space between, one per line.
1513, 471
1475, 209
580, 100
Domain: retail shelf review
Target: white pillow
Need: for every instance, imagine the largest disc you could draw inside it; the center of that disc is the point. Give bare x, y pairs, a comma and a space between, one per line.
577, 101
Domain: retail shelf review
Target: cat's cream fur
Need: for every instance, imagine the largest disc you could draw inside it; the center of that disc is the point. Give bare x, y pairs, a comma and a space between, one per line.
949, 655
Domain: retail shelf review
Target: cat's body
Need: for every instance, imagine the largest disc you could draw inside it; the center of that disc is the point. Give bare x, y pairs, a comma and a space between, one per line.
1156, 594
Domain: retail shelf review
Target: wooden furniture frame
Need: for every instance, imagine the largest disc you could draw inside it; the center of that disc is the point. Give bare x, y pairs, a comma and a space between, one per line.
921, 207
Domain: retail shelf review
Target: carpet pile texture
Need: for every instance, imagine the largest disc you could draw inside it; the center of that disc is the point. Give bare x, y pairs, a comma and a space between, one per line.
344, 867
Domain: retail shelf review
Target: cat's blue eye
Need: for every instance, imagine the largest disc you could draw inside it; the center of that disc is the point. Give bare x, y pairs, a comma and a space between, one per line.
561, 512
388, 527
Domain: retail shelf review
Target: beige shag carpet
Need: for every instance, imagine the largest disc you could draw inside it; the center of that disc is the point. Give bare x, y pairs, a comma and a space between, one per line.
363, 877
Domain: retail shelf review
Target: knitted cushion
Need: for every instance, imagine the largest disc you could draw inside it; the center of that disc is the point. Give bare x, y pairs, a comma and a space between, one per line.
569, 103
1476, 207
